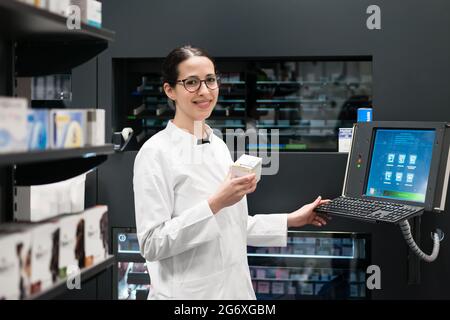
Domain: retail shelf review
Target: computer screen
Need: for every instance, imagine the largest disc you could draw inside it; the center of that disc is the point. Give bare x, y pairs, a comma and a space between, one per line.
400, 164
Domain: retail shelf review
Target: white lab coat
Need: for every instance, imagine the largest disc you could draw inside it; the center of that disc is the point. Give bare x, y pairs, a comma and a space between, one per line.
192, 253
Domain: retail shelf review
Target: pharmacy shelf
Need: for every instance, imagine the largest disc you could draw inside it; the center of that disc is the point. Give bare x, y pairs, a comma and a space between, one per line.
60, 287
45, 45
48, 166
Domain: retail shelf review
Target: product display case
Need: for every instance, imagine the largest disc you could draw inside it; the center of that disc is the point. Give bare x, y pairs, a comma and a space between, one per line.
303, 103
131, 279
314, 265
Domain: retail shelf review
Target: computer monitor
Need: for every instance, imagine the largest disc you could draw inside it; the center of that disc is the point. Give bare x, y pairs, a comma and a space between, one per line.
402, 162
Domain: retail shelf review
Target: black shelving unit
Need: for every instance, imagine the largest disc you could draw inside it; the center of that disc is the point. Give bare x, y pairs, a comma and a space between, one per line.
42, 41
86, 274
36, 42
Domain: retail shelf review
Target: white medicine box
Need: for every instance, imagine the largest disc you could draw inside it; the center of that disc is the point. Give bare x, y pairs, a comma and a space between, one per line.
245, 165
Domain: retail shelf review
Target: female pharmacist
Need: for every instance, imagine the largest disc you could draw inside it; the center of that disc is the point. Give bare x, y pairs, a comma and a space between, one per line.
192, 221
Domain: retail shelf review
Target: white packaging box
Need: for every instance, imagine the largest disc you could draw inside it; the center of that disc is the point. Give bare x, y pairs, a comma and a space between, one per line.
345, 139
96, 234
95, 127
68, 128
71, 244
245, 165
91, 12
15, 251
44, 255
38, 131
37, 203
13, 124
9, 267
58, 6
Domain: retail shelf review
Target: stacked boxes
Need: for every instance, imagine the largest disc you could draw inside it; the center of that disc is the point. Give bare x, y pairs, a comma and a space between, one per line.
23, 129
34, 256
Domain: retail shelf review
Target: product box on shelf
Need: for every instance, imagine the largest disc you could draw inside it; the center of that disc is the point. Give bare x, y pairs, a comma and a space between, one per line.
58, 6
15, 261
37, 203
71, 244
91, 12
38, 132
11, 244
13, 124
95, 127
96, 234
44, 255
68, 128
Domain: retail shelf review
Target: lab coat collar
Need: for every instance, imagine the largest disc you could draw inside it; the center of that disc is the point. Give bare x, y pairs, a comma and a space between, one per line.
184, 134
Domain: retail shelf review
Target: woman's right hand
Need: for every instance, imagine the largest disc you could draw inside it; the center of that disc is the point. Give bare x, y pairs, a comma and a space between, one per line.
231, 191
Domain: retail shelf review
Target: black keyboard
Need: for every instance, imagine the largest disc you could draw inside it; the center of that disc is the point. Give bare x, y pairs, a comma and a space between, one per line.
369, 210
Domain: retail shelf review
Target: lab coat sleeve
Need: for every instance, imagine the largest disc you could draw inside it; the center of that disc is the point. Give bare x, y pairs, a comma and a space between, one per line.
267, 230
159, 234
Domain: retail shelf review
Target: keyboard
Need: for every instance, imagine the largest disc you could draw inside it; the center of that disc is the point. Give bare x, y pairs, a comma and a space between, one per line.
369, 210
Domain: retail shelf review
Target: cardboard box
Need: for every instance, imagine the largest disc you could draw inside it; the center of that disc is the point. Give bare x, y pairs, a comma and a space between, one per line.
44, 255
13, 124
345, 139
9, 267
68, 128
96, 234
58, 6
15, 261
38, 130
245, 165
95, 127
71, 244
91, 12
41, 202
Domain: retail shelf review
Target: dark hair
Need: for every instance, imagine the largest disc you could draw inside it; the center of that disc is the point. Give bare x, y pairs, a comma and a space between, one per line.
177, 56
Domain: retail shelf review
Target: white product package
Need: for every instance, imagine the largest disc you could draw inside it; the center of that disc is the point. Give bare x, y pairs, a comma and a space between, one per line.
13, 124
71, 244
245, 165
15, 239
58, 6
9, 266
95, 127
91, 12
44, 255
96, 234
345, 139
37, 203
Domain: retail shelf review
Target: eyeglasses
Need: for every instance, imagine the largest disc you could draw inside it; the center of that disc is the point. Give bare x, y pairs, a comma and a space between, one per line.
193, 84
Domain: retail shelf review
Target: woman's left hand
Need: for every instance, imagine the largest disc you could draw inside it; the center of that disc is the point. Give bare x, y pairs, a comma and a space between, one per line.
306, 215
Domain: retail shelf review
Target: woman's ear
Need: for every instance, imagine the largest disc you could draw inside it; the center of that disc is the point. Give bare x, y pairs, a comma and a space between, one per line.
169, 91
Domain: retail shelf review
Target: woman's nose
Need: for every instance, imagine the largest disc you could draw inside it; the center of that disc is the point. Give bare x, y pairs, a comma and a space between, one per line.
203, 88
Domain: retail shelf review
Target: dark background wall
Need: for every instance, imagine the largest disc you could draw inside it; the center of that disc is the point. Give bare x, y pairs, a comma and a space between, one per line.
411, 68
